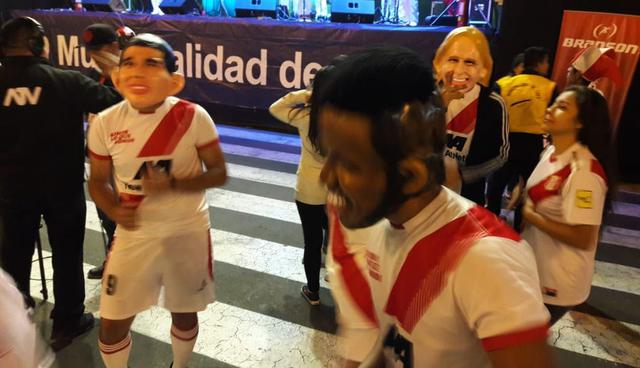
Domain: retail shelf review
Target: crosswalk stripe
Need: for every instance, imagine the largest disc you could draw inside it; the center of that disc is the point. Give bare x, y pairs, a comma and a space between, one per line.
230, 334
617, 277
252, 204
261, 175
244, 251
620, 236
262, 135
627, 209
598, 337
290, 158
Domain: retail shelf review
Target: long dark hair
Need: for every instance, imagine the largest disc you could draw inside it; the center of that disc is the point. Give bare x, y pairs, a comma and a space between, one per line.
319, 81
596, 132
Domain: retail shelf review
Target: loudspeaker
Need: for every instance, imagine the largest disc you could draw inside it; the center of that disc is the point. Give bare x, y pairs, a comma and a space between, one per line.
181, 7
353, 11
256, 8
445, 20
104, 5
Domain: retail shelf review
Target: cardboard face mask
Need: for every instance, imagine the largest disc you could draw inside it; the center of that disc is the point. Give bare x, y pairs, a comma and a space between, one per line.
463, 59
143, 79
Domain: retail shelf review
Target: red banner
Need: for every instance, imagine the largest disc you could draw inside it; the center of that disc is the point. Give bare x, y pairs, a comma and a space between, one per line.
621, 32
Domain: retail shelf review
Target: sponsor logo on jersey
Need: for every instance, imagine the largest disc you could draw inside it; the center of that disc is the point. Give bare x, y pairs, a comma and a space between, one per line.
122, 136
584, 199
552, 183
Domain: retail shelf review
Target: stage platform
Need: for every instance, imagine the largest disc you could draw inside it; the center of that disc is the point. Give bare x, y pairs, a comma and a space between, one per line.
237, 66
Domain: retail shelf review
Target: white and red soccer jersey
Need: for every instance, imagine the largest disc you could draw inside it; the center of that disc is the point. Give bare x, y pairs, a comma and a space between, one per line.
461, 118
170, 137
569, 188
347, 269
452, 284
17, 333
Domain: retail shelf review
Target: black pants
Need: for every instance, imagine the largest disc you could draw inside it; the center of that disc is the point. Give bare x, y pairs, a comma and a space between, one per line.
524, 155
64, 214
314, 223
109, 227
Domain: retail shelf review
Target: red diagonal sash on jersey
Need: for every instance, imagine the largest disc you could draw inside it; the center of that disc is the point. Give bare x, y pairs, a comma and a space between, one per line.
597, 169
425, 271
171, 129
465, 121
550, 185
354, 280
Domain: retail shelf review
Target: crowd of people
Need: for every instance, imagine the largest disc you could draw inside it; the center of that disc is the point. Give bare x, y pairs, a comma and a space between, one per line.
402, 165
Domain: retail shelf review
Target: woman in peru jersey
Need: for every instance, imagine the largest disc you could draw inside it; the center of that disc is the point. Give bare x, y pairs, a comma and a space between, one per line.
567, 193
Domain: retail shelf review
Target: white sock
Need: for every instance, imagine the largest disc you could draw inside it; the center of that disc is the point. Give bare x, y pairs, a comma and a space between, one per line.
116, 355
182, 343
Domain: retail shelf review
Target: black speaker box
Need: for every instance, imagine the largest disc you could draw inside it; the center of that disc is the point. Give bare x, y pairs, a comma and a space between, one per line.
181, 7
256, 8
104, 5
445, 20
353, 11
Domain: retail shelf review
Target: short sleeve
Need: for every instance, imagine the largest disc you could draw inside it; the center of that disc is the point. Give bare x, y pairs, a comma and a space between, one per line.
497, 289
583, 197
204, 129
96, 140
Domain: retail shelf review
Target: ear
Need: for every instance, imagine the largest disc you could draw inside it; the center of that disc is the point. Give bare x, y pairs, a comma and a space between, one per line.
416, 175
115, 78
484, 72
177, 83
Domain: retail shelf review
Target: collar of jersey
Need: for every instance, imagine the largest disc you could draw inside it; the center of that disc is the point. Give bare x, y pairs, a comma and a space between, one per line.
160, 109
427, 215
566, 156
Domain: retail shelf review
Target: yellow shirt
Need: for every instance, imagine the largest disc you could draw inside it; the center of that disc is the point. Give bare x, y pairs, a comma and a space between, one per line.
527, 97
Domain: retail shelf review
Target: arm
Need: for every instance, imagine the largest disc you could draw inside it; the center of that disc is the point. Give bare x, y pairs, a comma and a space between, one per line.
472, 173
105, 197
285, 108
91, 96
509, 318
157, 181
578, 236
536, 354
214, 176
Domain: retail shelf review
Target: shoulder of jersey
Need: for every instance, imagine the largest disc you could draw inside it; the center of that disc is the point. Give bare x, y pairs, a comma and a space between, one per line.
120, 106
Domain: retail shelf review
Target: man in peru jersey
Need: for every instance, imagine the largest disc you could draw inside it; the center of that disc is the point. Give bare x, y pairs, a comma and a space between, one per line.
164, 152
477, 124
447, 283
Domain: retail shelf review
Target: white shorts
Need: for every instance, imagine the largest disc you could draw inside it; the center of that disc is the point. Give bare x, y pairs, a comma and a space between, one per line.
138, 268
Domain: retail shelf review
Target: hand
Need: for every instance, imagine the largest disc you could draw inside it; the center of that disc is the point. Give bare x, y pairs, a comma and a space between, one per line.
124, 214
529, 214
448, 92
155, 180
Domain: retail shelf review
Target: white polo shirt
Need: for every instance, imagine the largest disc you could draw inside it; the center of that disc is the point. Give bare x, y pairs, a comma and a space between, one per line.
170, 137
569, 188
451, 284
